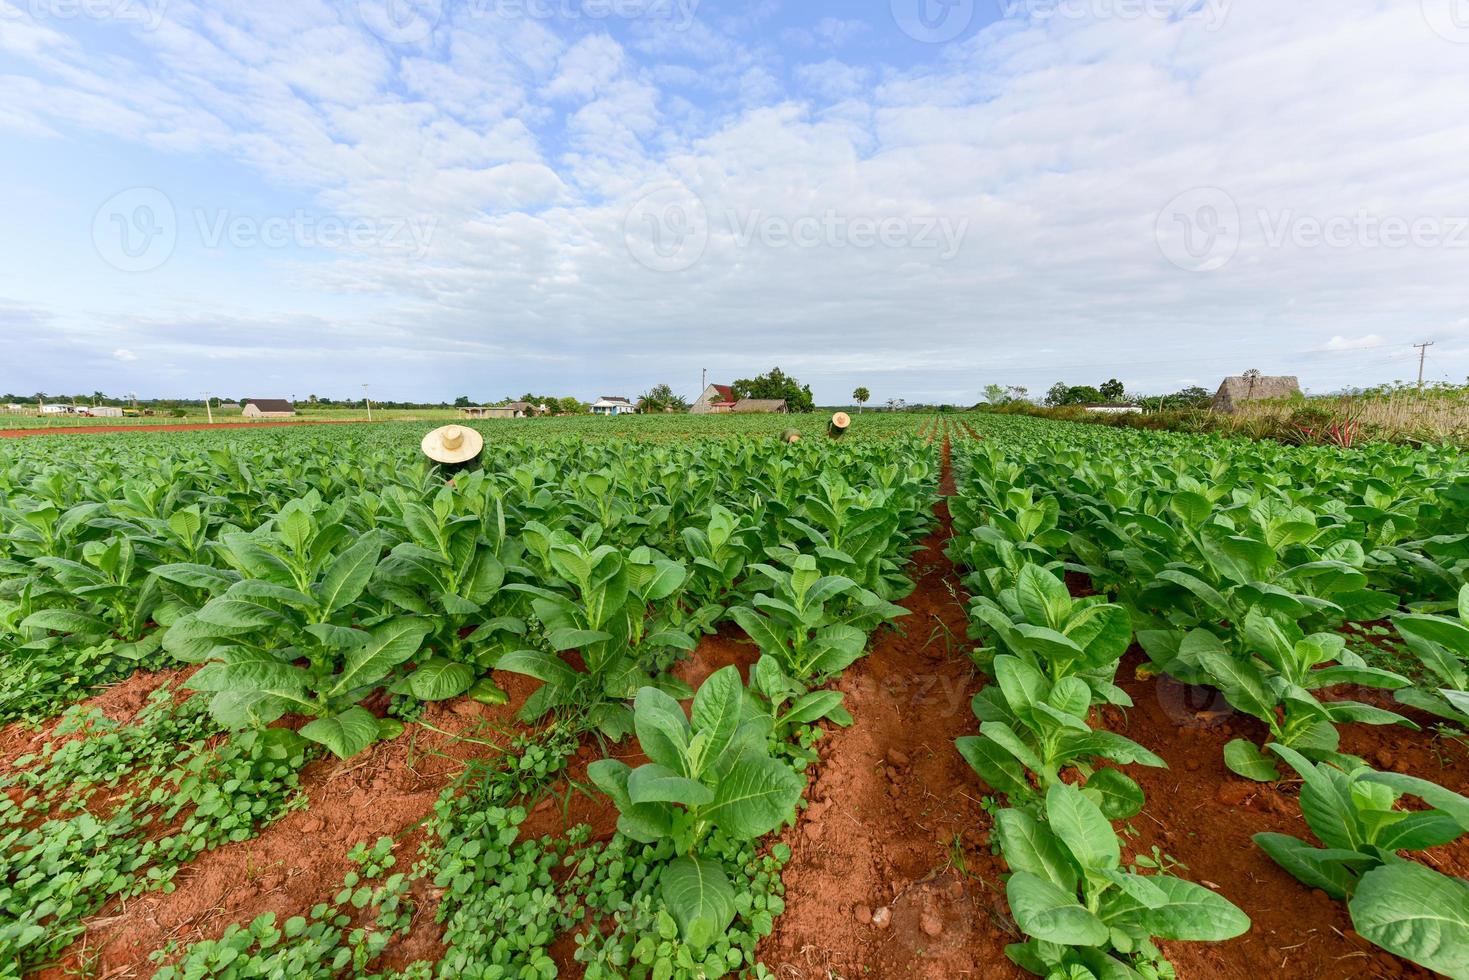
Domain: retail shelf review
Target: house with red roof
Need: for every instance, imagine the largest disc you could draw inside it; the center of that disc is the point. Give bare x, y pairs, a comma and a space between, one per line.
716, 398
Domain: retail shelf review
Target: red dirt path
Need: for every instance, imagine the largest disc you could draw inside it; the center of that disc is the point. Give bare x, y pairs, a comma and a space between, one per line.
169, 427
892, 874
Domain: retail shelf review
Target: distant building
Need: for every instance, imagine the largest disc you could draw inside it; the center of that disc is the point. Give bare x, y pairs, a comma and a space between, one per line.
1252, 386
716, 398
58, 409
104, 412
756, 406
613, 405
268, 408
1112, 409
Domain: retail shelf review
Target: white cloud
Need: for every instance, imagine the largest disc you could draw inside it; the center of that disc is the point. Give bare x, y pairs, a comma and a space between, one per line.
1058, 142
123, 354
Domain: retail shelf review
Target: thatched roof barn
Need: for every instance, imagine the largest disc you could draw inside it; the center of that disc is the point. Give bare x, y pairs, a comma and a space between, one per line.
1252, 386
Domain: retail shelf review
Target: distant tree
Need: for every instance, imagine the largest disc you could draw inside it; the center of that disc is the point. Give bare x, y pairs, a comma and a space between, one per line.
662, 398
1058, 394
777, 385
462, 402
1017, 393
995, 394
1113, 390
861, 396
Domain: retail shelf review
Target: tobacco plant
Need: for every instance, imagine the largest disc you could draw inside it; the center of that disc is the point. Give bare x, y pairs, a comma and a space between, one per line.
710, 774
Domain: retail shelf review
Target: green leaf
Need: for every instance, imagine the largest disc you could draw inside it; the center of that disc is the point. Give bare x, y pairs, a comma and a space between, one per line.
1190, 912
756, 796
997, 767
439, 679
1047, 912
698, 895
348, 574
1326, 869
653, 783
539, 664
716, 711
345, 734
1415, 913
391, 644
1082, 827
1451, 803
66, 621
1244, 758
1028, 845
662, 729
1118, 796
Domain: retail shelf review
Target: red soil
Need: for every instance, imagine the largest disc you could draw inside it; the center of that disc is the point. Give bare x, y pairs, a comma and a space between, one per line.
301, 859
1203, 815
892, 874
120, 702
165, 427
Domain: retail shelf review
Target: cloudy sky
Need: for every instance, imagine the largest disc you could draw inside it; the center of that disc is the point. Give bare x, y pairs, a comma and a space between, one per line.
444, 197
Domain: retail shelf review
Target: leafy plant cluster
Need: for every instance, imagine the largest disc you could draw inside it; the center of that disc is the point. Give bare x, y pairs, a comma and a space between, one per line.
1240, 564
59, 869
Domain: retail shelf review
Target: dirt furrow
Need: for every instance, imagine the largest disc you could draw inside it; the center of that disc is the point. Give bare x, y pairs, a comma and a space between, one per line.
891, 874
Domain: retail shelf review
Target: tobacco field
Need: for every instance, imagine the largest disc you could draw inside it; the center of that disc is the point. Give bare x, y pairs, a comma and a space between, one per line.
965, 695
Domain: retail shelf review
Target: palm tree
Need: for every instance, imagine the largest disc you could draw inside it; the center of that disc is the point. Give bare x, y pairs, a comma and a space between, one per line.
861, 396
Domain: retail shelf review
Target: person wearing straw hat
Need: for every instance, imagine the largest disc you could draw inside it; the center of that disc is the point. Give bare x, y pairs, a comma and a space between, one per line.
454, 447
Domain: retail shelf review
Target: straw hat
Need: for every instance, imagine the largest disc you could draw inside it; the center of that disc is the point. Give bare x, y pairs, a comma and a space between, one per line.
841, 420
453, 444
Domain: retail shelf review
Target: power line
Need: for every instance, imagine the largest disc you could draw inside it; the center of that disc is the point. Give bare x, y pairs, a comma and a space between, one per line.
1422, 356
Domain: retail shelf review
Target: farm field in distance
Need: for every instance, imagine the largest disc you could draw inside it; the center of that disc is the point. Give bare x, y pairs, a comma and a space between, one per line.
664, 696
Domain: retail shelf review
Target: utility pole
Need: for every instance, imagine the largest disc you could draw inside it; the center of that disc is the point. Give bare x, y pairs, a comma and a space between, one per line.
367, 397
208, 409
1422, 356
703, 380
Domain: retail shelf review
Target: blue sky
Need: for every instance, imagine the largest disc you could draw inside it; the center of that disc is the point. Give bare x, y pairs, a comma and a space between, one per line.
484, 197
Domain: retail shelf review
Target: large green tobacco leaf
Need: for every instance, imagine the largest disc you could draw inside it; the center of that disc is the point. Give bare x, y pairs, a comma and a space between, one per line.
700, 898
348, 575
755, 797
437, 680
1324, 868
390, 645
1189, 911
1045, 911
1416, 913
1082, 827
345, 734
1028, 845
